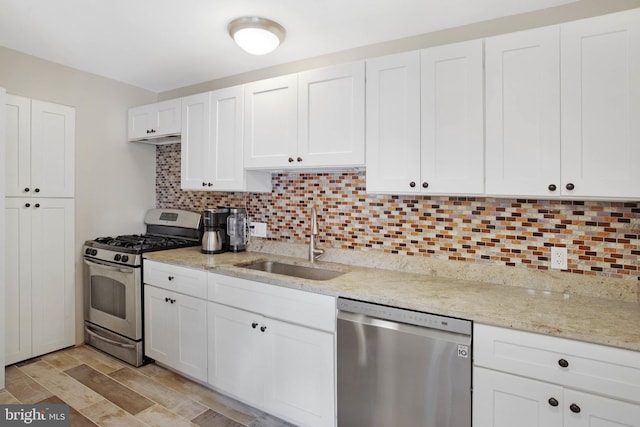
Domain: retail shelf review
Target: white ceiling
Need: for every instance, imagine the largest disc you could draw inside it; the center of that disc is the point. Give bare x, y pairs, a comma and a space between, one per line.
166, 44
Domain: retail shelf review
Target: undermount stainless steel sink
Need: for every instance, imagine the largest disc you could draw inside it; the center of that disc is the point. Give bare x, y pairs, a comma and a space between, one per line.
311, 273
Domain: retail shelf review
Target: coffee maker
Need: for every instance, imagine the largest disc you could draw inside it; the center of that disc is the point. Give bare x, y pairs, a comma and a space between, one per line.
237, 229
214, 239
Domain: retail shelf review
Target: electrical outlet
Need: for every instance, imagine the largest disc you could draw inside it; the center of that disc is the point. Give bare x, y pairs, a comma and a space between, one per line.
559, 258
258, 229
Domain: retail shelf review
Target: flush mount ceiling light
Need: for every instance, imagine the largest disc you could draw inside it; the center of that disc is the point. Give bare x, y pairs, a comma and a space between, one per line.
255, 35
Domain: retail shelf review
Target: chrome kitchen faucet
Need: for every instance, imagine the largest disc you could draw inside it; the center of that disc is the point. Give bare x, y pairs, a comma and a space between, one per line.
314, 253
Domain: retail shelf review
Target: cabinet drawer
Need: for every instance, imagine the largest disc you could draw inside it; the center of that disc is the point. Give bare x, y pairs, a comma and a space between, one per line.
174, 278
292, 305
585, 366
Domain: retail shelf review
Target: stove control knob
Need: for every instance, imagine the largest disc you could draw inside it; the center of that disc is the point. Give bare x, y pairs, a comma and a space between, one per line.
94, 252
125, 258
87, 251
117, 257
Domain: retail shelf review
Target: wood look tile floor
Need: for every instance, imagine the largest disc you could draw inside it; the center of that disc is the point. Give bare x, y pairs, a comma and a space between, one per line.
102, 391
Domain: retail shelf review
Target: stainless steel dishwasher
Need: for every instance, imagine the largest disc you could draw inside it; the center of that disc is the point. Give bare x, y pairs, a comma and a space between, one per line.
402, 368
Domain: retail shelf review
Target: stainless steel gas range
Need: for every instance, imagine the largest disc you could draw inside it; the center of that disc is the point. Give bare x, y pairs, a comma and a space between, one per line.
113, 280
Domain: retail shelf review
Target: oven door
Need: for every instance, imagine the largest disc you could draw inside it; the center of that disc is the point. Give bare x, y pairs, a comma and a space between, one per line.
113, 297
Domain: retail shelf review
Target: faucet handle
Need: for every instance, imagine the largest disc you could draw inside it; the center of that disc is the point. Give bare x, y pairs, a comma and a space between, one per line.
314, 221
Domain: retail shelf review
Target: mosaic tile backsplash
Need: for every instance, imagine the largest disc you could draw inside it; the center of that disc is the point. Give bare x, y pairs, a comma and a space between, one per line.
602, 238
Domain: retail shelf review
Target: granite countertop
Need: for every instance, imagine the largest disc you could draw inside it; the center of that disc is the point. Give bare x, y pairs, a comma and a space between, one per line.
584, 318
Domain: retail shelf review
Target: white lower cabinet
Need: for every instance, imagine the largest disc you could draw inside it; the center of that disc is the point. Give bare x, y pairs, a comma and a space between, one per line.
40, 290
530, 380
283, 367
176, 331
175, 324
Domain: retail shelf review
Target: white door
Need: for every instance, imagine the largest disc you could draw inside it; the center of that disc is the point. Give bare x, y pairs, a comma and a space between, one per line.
331, 116
18, 280
227, 163
236, 356
159, 325
601, 106
299, 380
271, 122
588, 410
523, 113
52, 149
393, 124
52, 274
18, 146
195, 155
504, 400
191, 335
452, 111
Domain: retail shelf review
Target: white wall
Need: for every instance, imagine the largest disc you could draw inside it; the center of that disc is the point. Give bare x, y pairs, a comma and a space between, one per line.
2, 236
115, 179
568, 12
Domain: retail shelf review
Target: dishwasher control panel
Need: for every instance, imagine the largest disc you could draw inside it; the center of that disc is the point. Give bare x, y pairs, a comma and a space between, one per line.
402, 315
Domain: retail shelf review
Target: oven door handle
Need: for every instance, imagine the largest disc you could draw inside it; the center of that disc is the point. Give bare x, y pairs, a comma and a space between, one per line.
90, 263
101, 338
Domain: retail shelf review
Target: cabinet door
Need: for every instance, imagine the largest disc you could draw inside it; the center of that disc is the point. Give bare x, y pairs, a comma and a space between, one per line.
52, 149
601, 106
167, 117
195, 154
504, 400
331, 116
393, 123
452, 151
236, 356
299, 382
18, 280
140, 122
271, 122
597, 411
523, 113
159, 325
18, 146
52, 274
226, 152
191, 335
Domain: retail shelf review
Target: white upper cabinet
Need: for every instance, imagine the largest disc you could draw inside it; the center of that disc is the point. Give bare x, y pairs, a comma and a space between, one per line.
562, 107
306, 120
452, 132
331, 116
393, 123
211, 150
425, 121
523, 113
271, 122
40, 148
601, 106
196, 142
155, 121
